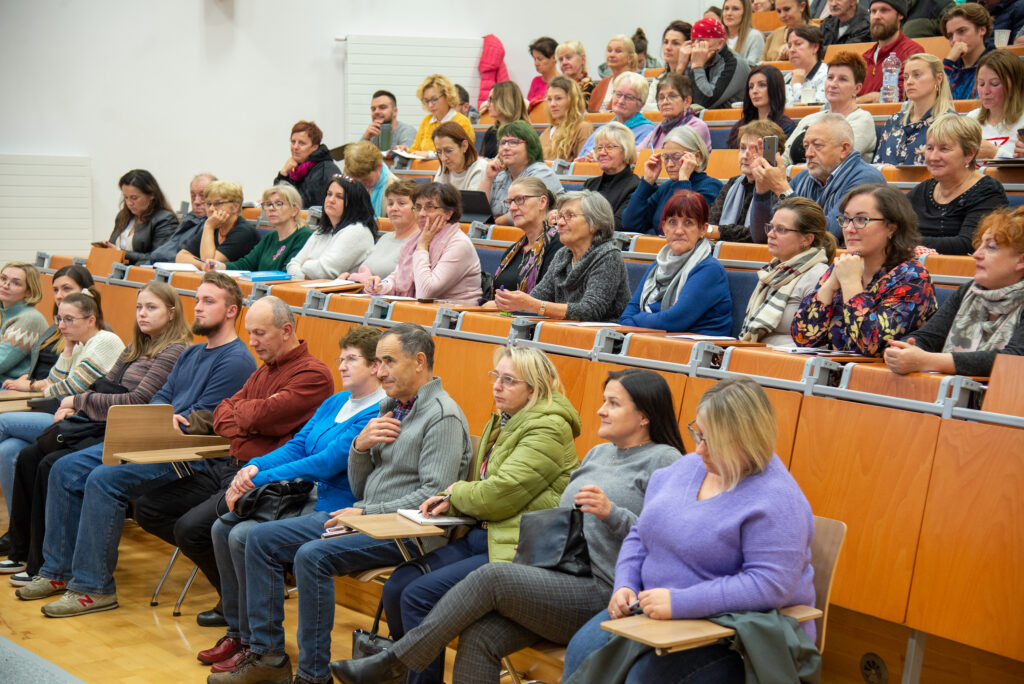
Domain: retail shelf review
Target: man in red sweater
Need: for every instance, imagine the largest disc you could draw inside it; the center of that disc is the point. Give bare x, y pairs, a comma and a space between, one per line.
275, 402
886, 18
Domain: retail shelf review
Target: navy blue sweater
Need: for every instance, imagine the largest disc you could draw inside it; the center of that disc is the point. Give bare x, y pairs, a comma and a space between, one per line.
643, 213
704, 304
203, 377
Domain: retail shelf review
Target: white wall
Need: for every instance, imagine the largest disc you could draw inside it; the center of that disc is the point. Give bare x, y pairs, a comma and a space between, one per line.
182, 86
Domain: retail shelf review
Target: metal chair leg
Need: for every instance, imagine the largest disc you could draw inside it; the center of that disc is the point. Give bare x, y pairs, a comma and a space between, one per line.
163, 577
184, 590
515, 675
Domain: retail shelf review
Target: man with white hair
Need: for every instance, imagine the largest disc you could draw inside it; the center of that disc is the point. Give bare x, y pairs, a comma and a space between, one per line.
833, 168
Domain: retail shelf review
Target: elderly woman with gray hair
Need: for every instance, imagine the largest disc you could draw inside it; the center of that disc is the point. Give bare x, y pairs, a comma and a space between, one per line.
615, 151
629, 94
684, 156
587, 281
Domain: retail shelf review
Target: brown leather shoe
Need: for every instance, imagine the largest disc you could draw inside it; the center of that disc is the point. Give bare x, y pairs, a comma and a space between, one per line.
231, 664
255, 669
225, 648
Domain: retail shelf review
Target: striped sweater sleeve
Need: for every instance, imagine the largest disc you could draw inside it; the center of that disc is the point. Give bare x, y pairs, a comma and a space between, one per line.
143, 377
72, 376
18, 337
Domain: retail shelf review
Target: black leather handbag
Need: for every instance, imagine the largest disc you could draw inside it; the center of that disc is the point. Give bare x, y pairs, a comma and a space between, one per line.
72, 433
366, 644
554, 539
274, 501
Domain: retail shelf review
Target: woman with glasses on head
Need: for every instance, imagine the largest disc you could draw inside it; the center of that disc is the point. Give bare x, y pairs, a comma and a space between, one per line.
572, 62
345, 236
525, 263
875, 292
674, 98
629, 93
225, 236
505, 104
685, 290
282, 207
519, 154
684, 158
460, 165
441, 263
801, 249
439, 98
310, 166
569, 130
615, 152
763, 100
723, 529
587, 281
145, 220
502, 607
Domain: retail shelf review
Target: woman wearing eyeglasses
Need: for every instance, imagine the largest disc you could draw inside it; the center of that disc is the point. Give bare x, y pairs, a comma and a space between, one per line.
282, 207
674, 97
502, 607
801, 249
441, 263
438, 96
525, 263
615, 152
629, 93
519, 154
875, 292
225, 236
460, 165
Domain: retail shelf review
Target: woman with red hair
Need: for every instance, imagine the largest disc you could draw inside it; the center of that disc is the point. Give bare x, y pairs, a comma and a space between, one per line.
309, 167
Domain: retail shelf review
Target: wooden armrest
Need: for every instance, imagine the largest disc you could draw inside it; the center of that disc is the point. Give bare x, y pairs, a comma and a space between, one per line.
149, 428
14, 406
669, 636
172, 455
389, 526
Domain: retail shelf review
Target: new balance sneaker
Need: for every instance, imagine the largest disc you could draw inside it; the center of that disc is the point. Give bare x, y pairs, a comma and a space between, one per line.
40, 588
10, 567
74, 603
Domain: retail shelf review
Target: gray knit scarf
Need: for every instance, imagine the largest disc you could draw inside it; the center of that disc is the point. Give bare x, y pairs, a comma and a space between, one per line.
668, 277
973, 331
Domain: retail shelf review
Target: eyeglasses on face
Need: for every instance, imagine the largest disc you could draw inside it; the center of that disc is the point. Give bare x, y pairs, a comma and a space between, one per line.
698, 437
606, 148
674, 158
425, 207
857, 222
668, 97
565, 216
507, 381
626, 96
350, 360
217, 203
68, 320
431, 101
779, 230
511, 142
518, 201
277, 204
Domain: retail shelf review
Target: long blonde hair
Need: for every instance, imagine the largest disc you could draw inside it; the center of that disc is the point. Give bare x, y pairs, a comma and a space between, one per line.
746, 24
536, 370
563, 141
943, 97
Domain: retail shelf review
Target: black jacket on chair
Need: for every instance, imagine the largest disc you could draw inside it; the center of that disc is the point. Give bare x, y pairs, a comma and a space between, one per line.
150, 235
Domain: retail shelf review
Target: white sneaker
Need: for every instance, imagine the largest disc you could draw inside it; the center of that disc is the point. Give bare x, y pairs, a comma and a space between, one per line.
20, 579
9, 567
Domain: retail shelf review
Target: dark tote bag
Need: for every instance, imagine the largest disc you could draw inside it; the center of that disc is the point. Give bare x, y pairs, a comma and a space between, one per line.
554, 539
274, 501
73, 433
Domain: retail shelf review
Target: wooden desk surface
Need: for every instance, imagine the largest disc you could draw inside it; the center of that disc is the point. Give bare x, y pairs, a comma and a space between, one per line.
10, 395
14, 406
389, 526
173, 455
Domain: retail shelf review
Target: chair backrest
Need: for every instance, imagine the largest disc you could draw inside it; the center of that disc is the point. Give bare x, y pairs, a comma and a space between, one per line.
741, 286
147, 427
828, 541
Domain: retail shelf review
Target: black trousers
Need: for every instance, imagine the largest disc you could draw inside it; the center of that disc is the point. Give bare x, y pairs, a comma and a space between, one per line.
182, 513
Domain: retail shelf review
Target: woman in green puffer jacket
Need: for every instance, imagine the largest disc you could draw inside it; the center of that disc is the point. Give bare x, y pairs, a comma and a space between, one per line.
523, 462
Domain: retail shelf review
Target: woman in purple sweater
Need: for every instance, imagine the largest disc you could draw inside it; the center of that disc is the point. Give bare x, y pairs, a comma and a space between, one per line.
725, 529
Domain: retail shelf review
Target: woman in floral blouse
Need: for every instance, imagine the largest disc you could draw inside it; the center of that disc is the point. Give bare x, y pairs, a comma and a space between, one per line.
875, 292
904, 135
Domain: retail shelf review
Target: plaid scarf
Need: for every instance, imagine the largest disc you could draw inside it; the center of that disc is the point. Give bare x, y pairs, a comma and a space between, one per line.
776, 282
973, 331
530, 267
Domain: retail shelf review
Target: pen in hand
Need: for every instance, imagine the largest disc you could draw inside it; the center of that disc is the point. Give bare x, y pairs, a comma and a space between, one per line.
438, 503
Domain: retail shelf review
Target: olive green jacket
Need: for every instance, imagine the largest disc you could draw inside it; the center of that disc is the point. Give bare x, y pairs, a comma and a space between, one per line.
528, 469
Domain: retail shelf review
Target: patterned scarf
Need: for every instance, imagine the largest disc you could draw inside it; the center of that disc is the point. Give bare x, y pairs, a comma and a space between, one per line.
530, 267
300, 171
668, 277
973, 331
776, 282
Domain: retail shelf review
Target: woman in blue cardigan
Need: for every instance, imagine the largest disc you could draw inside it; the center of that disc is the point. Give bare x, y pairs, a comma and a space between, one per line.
686, 289
318, 452
685, 156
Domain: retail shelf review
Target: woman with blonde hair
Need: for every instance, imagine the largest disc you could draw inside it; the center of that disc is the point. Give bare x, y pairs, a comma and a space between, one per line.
569, 130
439, 98
620, 56
572, 61
1000, 84
505, 104
629, 93
904, 135
615, 152
21, 325
282, 208
741, 36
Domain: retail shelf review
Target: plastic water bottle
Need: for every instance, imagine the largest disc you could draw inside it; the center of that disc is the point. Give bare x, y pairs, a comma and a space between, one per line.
891, 67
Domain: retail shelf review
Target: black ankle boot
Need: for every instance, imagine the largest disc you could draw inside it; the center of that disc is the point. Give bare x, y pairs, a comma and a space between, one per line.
383, 668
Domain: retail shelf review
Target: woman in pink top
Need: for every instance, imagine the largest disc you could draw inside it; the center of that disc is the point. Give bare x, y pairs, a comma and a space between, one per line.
543, 52
442, 262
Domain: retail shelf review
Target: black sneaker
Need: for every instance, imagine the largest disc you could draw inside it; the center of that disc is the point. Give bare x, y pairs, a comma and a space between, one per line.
10, 567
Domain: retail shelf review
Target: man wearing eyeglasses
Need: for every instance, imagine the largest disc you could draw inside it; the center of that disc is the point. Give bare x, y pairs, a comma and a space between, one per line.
833, 168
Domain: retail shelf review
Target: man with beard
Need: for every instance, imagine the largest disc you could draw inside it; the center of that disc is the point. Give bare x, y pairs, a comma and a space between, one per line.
886, 18
86, 506
384, 110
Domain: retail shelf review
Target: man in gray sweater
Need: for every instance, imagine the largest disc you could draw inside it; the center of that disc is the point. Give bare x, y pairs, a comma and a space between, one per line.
417, 446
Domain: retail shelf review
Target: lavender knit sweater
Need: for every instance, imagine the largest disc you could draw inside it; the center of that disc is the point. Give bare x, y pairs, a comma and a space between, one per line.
746, 549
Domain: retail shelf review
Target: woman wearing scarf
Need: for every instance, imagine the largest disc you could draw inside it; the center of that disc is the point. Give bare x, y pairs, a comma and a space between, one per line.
525, 263
801, 249
674, 95
983, 318
686, 289
309, 168
731, 209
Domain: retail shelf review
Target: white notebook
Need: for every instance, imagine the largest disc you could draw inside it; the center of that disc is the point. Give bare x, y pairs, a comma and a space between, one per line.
417, 517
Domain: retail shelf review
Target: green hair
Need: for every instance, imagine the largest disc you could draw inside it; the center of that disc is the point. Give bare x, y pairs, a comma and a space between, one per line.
524, 131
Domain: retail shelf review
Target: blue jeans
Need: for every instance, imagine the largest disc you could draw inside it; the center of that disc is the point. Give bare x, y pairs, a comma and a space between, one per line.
316, 562
714, 664
409, 594
17, 431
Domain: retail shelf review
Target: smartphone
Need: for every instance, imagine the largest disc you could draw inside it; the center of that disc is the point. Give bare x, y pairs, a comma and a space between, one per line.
771, 148
385, 136
1020, 133
99, 243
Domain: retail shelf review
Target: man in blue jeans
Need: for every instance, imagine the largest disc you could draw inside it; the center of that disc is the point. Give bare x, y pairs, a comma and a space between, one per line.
86, 505
416, 447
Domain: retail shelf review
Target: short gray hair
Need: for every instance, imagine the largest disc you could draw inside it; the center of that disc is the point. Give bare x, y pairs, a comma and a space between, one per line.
413, 339
839, 128
617, 133
596, 210
637, 82
688, 138
280, 312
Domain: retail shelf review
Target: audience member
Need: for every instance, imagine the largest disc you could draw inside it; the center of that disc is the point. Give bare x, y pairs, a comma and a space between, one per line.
21, 324
442, 262
643, 60
722, 530
466, 107
806, 51
731, 211
716, 72
86, 503
543, 52
903, 137
519, 154
225, 235
460, 165
439, 98
364, 163
629, 93
685, 289
886, 18
802, 249
310, 166
875, 292
145, 220
763, 5
521, 604
674, 41
615, 152
923, 17
969, 30
416, 446
620, 57
505, 104
384, 112
587, 281
190, 226
833, 168
311, 455
792, 13
984, 317
525, 263
523, 464
383, 257
344, 237
569, 129
684, 158
282, 207
763, 100
713, 12
953, 200
89, 349
848, 22
845, 74
1008, 15
1000, 85
741, 36
674, 97
572, 61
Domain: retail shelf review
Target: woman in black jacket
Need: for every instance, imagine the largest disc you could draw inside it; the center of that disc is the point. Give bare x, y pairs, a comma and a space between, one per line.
145, 220
310, 166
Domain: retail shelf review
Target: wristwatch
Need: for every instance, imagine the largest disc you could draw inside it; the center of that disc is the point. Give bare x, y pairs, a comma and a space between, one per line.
786, 194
